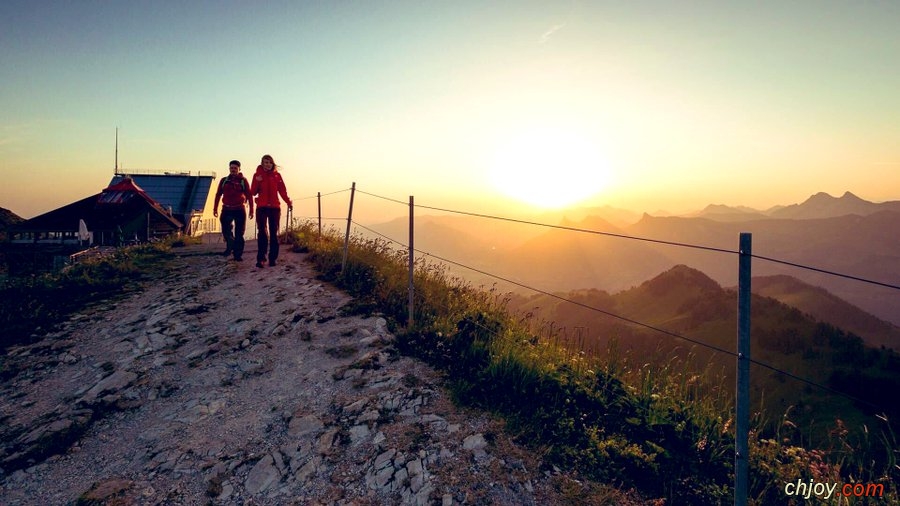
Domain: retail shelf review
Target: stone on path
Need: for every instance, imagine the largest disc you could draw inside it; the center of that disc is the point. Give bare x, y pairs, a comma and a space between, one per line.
304, 425
263, 475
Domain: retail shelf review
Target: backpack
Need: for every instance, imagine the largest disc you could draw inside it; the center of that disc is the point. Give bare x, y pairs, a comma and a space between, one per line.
243, 183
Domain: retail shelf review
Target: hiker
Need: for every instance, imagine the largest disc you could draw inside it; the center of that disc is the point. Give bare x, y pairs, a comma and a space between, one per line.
234, 191
267, 186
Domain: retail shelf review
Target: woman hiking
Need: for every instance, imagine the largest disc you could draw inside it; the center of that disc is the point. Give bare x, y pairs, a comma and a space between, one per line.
267, 186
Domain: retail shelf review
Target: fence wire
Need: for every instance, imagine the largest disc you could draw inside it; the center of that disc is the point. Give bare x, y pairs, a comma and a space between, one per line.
644, 239
654, 328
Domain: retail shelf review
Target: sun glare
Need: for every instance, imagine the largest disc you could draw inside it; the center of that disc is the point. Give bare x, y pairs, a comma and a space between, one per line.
548, 168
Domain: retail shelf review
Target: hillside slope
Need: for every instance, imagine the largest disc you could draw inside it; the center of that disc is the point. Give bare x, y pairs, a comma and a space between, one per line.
685, 301
825, 306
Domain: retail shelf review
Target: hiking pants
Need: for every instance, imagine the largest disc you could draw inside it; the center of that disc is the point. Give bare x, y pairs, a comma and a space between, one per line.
267, 221
234, 239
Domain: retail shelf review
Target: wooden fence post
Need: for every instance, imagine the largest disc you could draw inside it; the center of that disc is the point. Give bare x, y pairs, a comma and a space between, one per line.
411, 263
349, 221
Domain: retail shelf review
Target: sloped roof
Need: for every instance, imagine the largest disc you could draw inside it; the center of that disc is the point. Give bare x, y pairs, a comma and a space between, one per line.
8, 217
104, 210
182, 193
61, 219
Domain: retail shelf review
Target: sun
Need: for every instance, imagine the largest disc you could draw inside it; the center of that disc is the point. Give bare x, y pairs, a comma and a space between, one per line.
549, 168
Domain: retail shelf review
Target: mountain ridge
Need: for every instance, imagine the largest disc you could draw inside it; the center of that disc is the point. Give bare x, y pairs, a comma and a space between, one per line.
823, 205
817, 206
686, 302
827, 307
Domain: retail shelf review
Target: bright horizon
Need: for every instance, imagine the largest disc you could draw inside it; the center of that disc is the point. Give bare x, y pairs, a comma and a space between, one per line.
472, 106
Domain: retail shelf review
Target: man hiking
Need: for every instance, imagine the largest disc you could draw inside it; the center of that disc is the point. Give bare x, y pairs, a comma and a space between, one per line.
234, 192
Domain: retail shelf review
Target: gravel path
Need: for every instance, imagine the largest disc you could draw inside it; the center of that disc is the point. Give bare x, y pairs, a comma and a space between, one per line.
227, 384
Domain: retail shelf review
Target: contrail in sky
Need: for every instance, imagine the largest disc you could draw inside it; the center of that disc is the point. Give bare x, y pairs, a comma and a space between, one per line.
549, 33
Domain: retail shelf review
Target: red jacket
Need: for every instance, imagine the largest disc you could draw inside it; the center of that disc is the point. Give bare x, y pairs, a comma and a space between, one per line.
267, 185
234, 191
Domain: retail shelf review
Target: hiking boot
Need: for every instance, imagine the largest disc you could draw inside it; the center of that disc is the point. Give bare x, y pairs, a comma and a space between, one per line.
271, 263
226, 253
238, 259
259, 264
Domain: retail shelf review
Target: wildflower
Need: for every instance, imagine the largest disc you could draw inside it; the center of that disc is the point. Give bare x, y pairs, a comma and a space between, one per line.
701, 444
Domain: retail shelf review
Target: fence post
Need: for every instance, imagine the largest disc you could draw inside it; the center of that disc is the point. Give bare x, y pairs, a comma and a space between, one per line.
742, 414
319, 199
289, 226
349, 221
411, 262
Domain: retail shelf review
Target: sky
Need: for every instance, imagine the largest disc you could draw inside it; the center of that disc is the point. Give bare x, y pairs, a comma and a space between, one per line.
481, 106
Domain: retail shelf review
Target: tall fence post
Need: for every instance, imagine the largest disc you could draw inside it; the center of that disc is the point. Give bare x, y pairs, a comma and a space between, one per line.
349, 221
411, 261
742, 414
319, 199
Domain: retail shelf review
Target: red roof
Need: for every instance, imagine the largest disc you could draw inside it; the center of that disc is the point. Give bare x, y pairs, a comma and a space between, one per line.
123, 192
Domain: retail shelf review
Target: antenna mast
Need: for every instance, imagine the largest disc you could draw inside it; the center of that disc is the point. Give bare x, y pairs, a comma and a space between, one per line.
117, 151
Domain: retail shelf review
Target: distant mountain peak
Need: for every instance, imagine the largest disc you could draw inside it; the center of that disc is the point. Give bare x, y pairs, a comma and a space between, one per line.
824, 196
679, 277
823, 205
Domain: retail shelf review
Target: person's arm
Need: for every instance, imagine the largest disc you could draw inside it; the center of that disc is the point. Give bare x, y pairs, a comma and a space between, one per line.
249, 195
282, 190
218, 197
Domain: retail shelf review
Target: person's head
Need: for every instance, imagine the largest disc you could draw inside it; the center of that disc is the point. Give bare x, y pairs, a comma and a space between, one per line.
234, 166
268, 163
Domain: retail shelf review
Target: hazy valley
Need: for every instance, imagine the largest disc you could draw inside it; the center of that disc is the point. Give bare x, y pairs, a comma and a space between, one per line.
846, 235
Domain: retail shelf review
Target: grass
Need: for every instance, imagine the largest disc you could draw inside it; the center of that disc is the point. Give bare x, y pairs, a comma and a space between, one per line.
32, 305
656, 426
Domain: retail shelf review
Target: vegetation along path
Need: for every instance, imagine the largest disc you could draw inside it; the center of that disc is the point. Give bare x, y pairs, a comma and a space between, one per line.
227, 384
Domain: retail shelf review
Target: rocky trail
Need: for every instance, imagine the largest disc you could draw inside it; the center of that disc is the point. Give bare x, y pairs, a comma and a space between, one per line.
226, 384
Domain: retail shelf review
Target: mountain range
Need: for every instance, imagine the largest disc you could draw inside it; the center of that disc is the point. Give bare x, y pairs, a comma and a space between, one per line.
820, 205
845, 235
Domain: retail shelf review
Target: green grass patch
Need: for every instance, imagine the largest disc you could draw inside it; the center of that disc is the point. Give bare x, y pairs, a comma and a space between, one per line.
34, 304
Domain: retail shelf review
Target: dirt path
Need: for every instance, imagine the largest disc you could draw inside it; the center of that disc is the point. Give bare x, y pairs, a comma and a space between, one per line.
228, 384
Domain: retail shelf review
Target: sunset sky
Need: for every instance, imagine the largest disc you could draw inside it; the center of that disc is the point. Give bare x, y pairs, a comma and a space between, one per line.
472, 105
